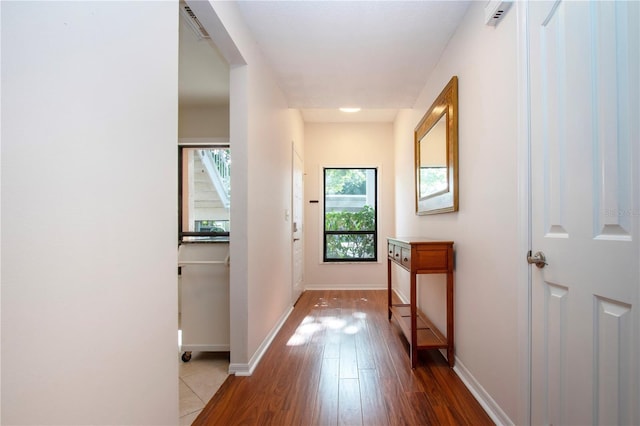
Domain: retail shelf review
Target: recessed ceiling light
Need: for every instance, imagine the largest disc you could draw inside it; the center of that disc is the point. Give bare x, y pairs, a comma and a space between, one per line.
349, 109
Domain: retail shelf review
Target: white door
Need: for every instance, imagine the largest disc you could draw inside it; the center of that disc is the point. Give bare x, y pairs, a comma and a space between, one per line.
584, 98
296, 225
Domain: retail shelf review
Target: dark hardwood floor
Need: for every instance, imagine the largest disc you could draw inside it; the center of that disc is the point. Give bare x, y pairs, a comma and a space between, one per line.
338, 360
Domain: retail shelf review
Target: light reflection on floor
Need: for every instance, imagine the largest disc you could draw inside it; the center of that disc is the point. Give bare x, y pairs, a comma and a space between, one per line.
311, 325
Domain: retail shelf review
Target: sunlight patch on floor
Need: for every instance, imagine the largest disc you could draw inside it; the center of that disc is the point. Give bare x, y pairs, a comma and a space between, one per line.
310, 325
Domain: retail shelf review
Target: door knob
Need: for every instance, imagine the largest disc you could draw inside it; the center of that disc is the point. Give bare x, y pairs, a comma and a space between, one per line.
537, 259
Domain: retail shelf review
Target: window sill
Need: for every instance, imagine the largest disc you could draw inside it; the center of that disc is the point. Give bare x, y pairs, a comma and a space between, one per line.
204, 240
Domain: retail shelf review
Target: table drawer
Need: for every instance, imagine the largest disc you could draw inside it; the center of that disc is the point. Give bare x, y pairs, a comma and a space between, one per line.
434, 260
390, 250
397, 251
405, 257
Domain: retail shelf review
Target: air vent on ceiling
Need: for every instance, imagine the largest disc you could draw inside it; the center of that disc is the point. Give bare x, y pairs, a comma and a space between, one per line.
495, 10
193, 21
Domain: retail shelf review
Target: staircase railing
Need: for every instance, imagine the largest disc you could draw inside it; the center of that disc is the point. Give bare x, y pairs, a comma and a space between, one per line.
217, 162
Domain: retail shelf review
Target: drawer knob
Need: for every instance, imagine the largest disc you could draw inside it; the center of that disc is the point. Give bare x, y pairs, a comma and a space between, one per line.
406, 260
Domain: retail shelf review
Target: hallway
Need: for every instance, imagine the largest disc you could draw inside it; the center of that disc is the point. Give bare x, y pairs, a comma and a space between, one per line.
338, 360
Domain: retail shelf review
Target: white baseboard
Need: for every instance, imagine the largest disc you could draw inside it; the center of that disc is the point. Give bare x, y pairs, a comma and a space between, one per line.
248, 369
239, 369
401, 296
344, 287
484, 399
493, 410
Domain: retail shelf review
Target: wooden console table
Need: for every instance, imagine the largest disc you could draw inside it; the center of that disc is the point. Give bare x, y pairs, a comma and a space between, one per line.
421, 256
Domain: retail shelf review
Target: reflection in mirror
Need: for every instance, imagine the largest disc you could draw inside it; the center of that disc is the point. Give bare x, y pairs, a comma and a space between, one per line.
433, 160
436, 154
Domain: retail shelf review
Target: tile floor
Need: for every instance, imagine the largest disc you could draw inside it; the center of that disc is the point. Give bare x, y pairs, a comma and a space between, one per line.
200, 378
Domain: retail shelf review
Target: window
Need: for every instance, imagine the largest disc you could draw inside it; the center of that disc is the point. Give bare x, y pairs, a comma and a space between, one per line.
350, 214
204, 194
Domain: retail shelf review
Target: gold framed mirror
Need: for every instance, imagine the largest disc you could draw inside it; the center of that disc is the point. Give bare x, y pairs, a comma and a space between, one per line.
436, 154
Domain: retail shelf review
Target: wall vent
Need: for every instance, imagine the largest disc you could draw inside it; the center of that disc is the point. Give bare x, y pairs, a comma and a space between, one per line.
193, 22
495, 10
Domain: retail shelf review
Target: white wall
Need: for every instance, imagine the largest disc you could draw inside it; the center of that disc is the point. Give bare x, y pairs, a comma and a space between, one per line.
262, 130
203, 122
89, 288
346, 144
485, 229
272, 128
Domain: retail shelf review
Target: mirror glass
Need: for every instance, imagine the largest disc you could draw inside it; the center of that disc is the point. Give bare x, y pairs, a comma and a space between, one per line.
436, 154
433, 160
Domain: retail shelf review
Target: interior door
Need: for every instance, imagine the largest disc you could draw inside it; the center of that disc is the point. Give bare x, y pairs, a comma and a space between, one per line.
296, 225
584, 181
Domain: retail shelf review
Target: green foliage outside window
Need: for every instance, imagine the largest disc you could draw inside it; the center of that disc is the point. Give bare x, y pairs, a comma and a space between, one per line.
362, 220
346, 181
346, 246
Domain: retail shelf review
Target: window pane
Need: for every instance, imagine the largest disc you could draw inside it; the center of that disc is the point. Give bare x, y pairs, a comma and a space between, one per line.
350, 199
350, 214
206, 185
363, 219
350, 246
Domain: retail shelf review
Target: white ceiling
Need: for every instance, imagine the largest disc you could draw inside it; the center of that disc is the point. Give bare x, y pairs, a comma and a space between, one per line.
373, 54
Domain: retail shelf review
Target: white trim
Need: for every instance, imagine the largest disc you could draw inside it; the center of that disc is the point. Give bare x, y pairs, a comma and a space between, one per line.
493, 410
401, 296
355, 262
203, 141
239, 369
523, 215
381, 247
344, 287
204, 262
248, 369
